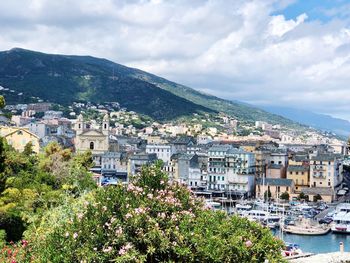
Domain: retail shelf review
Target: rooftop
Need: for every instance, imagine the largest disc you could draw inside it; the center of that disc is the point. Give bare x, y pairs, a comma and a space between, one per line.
297, 168
317, 190
274, 181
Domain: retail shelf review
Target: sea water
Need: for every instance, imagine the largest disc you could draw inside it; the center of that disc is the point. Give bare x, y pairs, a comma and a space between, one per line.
319, 244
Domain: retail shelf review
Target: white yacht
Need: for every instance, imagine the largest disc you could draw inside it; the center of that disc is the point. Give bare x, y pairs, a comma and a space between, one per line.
341, 219
258, 215
341, 223
242, 209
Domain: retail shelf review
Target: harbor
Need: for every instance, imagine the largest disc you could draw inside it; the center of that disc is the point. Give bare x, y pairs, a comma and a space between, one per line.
306, 228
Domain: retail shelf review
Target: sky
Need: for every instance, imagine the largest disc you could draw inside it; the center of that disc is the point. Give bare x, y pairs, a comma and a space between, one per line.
293, 53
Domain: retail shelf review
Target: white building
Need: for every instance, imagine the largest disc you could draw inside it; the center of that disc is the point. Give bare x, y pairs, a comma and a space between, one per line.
163, 151
231, 169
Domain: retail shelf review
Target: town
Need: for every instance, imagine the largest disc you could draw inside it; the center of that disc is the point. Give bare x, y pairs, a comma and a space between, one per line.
214, 155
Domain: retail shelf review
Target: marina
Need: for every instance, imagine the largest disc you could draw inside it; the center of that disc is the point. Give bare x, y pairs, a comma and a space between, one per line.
306, 228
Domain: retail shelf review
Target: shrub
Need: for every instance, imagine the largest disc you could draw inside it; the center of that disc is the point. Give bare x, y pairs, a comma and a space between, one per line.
148, 220
317, 197
285, 196
303, 196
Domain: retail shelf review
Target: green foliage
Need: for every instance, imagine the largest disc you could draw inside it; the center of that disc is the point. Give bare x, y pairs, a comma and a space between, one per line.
285, 196
2, 237
2, 102
28, 149
30, 184
303, 196
13, 225
2, 155
317, 197
148, 220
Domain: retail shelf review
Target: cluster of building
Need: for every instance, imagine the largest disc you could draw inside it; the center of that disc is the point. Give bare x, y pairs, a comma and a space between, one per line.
200, 157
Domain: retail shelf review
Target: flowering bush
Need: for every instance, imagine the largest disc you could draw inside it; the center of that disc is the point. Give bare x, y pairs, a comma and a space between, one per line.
148, 220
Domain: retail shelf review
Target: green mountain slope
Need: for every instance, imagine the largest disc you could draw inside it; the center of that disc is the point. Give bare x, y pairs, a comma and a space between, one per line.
64, 79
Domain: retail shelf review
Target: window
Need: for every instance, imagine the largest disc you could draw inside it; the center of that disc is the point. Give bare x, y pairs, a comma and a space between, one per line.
296, 173
222, 178
320, 182
329, 183
92, 146
287, 188
105, 126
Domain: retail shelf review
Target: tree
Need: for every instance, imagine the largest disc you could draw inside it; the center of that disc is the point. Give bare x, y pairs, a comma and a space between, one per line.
2, 102
28, 149
317, 197
84, 159
13, 225
285, 196
2, 155
148, 220
303, 196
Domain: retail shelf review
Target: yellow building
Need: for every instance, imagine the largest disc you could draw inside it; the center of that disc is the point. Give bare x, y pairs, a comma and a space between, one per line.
18, 138
276, 187
300, 176
327, 194
301, 159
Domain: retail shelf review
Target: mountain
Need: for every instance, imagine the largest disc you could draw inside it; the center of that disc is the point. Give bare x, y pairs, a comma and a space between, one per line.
319, 121
64, 79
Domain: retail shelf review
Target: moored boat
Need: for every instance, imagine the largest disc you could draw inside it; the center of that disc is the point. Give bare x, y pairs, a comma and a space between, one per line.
306, 231
341, 223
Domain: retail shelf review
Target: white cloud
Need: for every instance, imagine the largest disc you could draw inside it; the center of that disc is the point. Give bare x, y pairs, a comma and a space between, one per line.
278, 25
233, 49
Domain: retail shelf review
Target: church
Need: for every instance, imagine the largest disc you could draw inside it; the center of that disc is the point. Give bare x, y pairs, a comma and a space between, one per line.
95, 140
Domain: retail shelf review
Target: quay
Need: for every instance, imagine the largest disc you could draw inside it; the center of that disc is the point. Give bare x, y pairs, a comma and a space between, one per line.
336, 257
